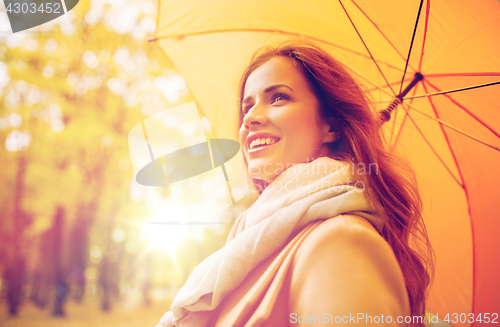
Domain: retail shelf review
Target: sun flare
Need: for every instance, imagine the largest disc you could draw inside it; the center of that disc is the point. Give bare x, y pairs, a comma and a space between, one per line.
165, 237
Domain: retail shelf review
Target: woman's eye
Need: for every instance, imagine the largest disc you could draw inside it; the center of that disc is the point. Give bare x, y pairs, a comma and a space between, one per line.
279, 97
246, 109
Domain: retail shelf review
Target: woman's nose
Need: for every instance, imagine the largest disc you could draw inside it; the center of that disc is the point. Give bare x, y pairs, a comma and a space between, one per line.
255, 117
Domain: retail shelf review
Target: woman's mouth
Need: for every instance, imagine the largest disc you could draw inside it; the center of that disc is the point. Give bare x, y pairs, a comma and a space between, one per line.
262, 143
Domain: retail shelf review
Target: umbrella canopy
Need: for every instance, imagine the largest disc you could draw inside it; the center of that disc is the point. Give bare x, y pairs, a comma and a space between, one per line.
447, 127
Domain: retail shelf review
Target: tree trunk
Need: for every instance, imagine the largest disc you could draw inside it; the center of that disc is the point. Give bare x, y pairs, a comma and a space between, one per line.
61, 286
16, 269
110, 274
79, 253
42, 274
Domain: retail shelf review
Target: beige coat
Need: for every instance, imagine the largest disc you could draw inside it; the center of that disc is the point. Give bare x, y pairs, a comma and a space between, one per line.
331, 271
284, 263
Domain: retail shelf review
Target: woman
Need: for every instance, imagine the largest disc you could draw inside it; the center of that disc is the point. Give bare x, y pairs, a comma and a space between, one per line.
328, 240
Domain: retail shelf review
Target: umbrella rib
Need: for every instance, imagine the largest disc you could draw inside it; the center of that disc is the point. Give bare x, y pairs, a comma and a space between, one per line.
438, 119
468, 112
427, 11
157, 21
377, 87
456, 45
198, 105
366, 47
378, 29
393, 145
259, 30
411, 45
451, 149
451, 91
393, 83
464, 74
454, 128
432, 148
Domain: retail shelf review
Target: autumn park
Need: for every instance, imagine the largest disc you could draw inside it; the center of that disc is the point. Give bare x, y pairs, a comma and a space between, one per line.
76, 248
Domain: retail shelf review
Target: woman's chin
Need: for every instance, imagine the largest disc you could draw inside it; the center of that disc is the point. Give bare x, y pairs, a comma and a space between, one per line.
265, 171
265, 177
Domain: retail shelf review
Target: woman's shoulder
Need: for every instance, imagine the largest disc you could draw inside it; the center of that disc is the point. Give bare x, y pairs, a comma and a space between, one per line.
340, 233
346, 227
335, 237
346, 266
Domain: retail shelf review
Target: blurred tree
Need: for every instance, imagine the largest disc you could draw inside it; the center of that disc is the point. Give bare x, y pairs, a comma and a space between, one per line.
78, 247
40, 286
109, 272
59, 282
73, 92
16, 267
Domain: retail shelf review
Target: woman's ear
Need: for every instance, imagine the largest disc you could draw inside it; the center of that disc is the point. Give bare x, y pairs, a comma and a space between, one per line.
330, 135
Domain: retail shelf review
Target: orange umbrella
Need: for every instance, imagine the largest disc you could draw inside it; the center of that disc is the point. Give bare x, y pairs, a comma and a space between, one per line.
445, 54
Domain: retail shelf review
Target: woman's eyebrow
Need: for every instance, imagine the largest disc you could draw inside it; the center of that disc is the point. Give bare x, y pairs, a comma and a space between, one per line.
267, 90
273, 87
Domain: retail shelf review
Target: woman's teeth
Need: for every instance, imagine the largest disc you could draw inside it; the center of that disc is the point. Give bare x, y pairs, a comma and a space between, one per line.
263, 141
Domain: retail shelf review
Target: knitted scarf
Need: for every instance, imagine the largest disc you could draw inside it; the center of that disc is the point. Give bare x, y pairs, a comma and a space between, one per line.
303, 193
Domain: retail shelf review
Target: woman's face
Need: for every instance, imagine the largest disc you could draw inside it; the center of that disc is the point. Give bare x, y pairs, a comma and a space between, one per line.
281, 126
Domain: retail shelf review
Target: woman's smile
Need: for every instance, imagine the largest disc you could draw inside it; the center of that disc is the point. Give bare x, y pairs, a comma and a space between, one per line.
261, 144
258, 141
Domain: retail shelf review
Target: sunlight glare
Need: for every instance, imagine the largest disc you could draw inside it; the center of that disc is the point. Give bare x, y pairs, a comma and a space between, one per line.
165, 237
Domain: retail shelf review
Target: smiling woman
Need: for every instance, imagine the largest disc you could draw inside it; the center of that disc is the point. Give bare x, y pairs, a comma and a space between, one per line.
324, 240
279, 106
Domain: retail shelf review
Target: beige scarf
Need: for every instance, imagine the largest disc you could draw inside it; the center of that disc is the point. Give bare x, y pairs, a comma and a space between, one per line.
302, 194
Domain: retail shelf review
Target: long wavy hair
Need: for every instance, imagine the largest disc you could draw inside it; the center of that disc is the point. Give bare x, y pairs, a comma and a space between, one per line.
345, 106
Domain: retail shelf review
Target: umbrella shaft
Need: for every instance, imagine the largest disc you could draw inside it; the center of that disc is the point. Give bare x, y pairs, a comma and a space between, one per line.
385, 115
418, 77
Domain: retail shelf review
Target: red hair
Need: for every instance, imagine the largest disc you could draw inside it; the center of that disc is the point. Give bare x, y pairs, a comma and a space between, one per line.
345, 106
